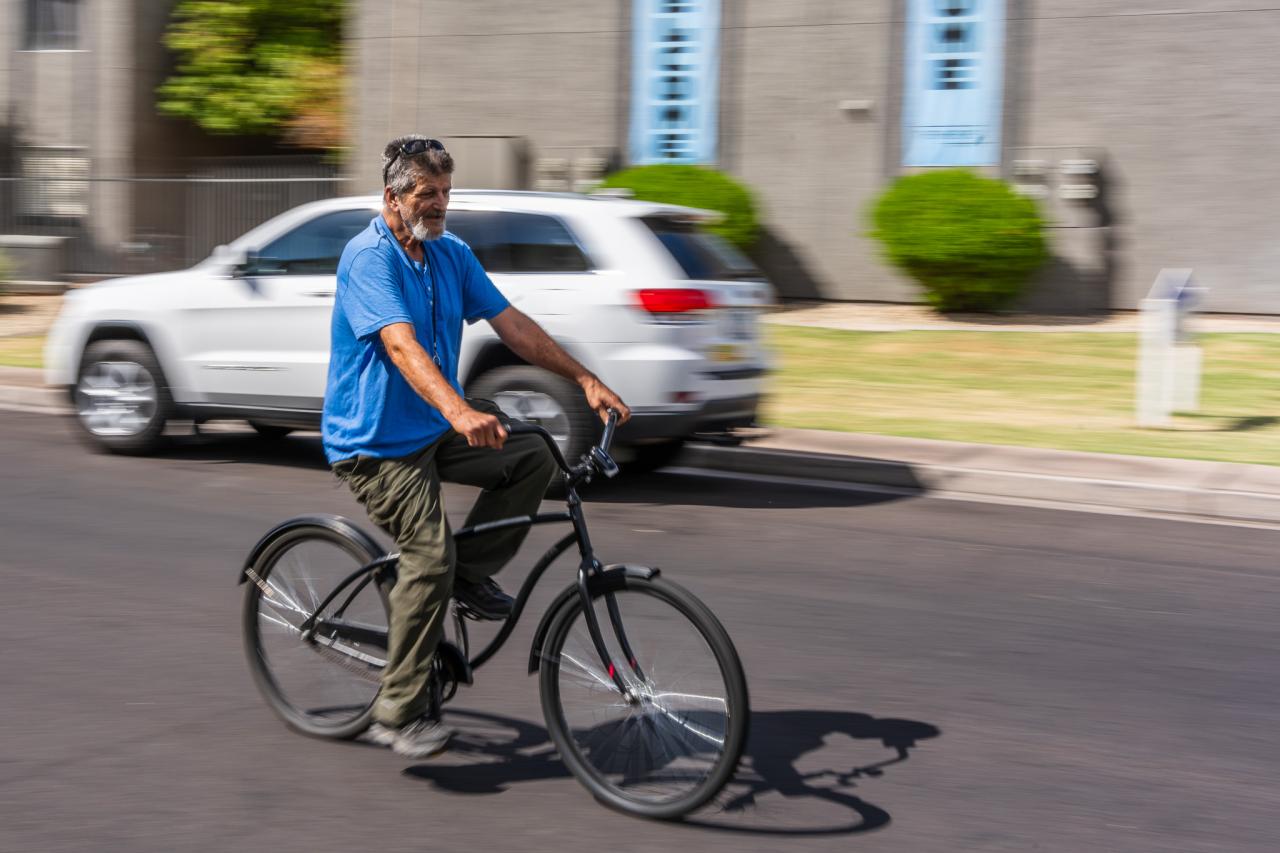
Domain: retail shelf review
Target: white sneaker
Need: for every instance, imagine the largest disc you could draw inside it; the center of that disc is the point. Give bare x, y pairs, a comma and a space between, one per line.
418, 739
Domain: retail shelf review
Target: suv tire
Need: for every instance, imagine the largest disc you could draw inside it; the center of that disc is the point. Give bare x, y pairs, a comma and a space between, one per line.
539, 396
121, 398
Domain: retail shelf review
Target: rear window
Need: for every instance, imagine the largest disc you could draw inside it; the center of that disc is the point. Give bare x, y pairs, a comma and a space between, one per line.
518, 242
702, 255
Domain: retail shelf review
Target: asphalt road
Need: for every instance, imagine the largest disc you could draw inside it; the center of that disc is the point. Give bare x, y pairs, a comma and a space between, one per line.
926, 675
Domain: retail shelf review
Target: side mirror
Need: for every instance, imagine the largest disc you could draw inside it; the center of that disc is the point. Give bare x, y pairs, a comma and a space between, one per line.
236, 263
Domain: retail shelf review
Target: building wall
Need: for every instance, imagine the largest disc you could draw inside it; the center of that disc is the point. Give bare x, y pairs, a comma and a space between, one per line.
551, 73
1178, 104
815, 166
1185, 107
9, 20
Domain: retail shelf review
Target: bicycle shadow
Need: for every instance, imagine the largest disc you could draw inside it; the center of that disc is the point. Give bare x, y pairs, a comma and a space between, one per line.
770, 794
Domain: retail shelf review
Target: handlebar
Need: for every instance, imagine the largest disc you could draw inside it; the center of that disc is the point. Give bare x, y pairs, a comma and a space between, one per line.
597, 458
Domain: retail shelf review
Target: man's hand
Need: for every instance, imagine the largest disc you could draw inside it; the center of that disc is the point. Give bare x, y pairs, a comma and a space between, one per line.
601, 398
478, 428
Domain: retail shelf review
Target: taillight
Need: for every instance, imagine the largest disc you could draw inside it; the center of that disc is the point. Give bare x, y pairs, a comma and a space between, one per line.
671, 301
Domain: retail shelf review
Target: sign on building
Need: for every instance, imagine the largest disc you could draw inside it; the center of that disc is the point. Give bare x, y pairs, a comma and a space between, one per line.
953, 96
674, 81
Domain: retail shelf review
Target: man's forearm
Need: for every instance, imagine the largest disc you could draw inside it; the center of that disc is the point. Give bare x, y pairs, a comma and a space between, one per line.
424, 377
535, 346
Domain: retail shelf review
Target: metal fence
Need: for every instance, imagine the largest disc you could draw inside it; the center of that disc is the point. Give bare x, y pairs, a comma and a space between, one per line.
120, 226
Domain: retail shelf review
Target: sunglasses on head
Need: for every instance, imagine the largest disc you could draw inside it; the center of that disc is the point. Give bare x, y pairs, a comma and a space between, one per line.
414, 147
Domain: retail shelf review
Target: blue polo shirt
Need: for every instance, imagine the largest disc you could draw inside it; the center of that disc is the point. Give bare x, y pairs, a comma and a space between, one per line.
369, 408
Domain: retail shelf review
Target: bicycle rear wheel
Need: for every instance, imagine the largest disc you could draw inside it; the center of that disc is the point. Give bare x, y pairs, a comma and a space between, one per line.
676, 744
321, 682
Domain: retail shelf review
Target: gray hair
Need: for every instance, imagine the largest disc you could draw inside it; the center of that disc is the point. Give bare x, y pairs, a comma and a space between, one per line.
401, 172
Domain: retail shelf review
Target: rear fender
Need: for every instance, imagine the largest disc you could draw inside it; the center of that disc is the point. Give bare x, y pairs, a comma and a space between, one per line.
336, 523
610, 579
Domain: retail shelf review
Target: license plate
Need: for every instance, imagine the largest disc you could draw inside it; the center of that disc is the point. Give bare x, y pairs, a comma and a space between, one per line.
741, 324
724, 353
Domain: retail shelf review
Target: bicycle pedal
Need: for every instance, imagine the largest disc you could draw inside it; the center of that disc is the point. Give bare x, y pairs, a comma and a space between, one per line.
466, 612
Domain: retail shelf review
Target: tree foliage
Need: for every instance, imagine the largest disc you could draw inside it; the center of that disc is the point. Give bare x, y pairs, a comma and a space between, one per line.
259, 67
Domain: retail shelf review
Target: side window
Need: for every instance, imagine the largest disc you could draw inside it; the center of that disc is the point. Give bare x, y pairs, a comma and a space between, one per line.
518, 242
482, 231
314, 247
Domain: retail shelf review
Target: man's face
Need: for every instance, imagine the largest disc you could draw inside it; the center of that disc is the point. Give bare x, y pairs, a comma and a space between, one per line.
423, 208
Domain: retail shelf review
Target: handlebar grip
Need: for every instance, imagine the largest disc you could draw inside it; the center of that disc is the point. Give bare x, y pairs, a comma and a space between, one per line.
609, 426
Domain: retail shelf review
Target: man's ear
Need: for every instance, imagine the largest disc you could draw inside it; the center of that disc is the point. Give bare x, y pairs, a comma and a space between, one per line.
388, 197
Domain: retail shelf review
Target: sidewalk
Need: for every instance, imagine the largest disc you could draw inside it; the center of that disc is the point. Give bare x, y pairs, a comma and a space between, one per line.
884, 317
1140, 484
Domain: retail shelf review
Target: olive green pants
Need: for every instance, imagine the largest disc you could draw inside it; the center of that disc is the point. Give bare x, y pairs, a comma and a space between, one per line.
402, 496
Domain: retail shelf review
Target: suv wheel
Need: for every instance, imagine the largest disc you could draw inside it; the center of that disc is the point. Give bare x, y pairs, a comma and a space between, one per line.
121, 399
538, 396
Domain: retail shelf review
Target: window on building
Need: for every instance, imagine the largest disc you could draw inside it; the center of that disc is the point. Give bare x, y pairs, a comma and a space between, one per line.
52, 25
55, 183
518, 242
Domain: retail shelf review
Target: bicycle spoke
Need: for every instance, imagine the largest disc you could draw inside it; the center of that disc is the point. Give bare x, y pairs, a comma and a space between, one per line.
669, 739
328, 678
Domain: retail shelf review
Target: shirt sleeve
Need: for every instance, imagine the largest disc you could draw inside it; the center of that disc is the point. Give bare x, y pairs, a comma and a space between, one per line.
481, 299
370, 294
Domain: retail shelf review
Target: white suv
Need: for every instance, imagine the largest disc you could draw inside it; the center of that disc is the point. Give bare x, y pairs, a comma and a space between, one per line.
664, 312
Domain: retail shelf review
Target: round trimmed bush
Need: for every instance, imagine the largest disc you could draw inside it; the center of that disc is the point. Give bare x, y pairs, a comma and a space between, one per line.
972, 242
695, 186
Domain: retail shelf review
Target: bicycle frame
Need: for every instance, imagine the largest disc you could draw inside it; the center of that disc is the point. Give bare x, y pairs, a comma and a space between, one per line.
590, 571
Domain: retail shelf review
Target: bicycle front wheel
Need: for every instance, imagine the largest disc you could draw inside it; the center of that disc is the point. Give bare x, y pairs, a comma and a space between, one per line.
319, 671
674, 743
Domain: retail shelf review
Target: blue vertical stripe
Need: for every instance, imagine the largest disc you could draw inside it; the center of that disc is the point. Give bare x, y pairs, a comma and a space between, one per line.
953, 99
674, 81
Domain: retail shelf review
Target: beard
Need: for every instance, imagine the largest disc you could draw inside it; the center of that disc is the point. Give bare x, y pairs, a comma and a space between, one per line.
421, 228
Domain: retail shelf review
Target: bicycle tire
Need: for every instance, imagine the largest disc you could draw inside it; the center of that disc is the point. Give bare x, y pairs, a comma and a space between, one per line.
273, 678
649, 728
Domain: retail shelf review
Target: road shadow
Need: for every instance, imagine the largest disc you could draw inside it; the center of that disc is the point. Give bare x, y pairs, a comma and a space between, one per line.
226, 447
691, 487
676, 486
773, 793
1233, 424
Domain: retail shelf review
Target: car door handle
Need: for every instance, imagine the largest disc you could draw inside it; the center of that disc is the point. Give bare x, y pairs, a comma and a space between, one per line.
319, 294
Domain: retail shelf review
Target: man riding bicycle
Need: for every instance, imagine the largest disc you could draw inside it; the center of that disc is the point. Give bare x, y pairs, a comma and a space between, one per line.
396, 423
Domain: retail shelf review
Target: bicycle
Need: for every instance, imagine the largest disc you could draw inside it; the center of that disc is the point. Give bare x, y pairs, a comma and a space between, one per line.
651, 718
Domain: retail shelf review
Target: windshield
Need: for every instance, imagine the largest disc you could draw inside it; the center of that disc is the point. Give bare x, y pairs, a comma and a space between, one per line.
702, 255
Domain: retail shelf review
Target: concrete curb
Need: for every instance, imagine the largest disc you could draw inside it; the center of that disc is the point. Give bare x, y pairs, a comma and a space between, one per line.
1175, 487
1218, 503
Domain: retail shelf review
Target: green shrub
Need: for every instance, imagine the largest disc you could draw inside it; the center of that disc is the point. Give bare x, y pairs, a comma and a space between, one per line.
972, 242
695, 186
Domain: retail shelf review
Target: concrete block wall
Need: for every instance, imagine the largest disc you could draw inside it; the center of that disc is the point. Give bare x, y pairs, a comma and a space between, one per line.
550, 73
1180, 101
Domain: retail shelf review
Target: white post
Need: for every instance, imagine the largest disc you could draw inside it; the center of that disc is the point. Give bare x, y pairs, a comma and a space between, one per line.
1187, 360
1155, 362
1168, 360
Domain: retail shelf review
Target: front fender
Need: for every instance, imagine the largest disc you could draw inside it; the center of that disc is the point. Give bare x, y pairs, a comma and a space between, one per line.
611, 579
336, 523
